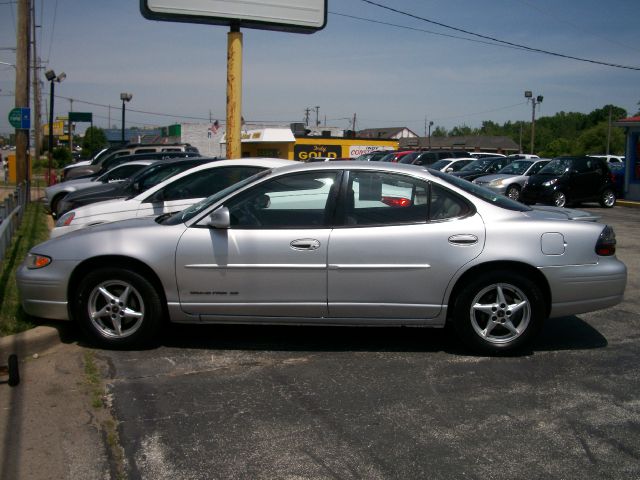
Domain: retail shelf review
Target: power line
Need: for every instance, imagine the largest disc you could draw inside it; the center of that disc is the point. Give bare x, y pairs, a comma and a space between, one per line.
493, 39
53, 28
405, 27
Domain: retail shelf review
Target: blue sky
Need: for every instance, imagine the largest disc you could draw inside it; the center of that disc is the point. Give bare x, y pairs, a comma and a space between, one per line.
386, 75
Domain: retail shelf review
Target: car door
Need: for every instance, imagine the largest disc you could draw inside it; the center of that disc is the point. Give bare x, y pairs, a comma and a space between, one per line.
584, 179
187, 190
401, 242
271, 262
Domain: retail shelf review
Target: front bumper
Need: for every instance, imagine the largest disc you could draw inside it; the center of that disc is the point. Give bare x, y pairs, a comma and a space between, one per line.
43, 292
538, 194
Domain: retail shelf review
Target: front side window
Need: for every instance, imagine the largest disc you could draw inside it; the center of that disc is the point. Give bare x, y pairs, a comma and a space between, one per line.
290, 201
378, 198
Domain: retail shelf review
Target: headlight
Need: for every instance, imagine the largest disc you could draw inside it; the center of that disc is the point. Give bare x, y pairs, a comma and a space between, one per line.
495, 183
548, 183
66, 219
34, 261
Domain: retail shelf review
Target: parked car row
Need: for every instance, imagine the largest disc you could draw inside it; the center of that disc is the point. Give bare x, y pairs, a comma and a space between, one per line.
324, 243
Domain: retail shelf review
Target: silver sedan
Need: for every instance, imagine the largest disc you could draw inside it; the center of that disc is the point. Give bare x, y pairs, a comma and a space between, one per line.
332, 244
510, 180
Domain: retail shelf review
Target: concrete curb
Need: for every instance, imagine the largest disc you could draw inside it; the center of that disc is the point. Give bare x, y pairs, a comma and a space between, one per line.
25, 344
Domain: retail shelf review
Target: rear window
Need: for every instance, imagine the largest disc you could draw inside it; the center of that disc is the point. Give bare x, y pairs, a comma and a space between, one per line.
481, 192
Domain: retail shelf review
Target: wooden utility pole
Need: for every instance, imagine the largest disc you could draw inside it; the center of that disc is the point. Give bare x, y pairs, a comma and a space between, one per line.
234, 92
22, 88
35, 119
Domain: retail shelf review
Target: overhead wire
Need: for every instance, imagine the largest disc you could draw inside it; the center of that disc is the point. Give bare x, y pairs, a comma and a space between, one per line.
494, 39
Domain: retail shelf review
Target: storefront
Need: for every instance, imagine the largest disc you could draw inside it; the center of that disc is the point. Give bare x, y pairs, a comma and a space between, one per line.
632, 157
281, 143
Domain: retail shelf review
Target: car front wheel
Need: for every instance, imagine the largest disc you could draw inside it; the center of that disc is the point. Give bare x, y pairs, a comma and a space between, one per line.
513, 192
498, 312
608, 198
559, 199
118, 308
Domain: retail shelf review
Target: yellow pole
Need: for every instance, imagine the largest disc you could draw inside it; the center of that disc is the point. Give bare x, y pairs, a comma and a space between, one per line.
234, 92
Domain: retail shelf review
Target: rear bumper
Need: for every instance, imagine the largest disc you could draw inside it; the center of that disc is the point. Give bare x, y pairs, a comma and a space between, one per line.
585, 288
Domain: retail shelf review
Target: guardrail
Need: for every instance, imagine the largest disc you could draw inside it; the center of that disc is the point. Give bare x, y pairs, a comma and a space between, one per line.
11, 213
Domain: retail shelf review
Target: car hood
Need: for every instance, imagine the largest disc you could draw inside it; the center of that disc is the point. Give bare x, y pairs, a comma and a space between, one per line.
106, 207
113, 239
540, 212
495, 176
101, 190
83, 163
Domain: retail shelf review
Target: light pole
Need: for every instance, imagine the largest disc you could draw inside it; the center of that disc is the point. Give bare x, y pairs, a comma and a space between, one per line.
125, 97
430, 125
52, 78
534, 101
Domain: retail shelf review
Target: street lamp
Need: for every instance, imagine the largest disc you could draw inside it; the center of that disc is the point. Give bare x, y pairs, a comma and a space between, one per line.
125, 97
52, 78
534, 101
430, 125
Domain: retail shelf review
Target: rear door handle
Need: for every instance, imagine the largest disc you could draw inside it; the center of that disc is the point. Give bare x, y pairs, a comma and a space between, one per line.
463, 239
305, 244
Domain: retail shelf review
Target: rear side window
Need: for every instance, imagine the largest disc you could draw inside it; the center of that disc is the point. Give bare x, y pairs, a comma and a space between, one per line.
444, 204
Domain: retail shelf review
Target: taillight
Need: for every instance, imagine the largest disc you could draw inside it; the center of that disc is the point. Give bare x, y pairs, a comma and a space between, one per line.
606, 245
396, 201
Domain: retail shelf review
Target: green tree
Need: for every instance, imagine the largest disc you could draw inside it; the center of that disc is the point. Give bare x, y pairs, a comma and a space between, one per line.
439, 132
594, 140
61, 156
461, 131
94, 141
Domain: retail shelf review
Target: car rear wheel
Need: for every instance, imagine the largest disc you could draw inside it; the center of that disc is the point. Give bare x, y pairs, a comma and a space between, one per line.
608, 198
513, 192
559, 199
498, 312
118, 308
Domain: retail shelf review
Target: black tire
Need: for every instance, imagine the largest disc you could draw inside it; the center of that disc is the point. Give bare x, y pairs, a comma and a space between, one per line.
14, 373
608, 198
118, 308
54, 204
560, 199
513, 192
498, 312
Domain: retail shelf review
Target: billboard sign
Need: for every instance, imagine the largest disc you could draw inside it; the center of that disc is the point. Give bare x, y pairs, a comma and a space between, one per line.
301, 16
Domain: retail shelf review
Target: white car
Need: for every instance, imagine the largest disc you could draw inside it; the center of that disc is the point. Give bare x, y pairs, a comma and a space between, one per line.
449, 165
172, 195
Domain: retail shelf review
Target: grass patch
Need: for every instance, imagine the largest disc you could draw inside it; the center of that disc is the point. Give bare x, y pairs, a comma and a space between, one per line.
32, 231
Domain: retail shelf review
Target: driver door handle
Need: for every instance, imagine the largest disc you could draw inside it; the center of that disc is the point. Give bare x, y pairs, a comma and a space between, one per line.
305, 244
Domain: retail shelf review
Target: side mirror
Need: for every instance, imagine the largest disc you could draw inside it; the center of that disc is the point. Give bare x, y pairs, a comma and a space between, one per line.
220, 218
449, 170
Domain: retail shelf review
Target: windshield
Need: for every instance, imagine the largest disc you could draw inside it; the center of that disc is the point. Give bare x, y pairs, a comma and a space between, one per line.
440, 164
481, 192
516, 168
190, 212
476, 166
557, 166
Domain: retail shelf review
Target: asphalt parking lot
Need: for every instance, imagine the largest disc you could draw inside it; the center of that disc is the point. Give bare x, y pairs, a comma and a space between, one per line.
238, 402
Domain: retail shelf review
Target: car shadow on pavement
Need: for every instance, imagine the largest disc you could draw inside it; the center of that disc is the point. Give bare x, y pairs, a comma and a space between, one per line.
566, 333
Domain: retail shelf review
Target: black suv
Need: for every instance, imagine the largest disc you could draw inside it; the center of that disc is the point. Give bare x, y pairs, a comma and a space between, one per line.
567, 180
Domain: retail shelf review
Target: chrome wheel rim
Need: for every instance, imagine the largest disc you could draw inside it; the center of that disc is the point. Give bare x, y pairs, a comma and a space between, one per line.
500, 313
609, 199
116, 309
560, 199
513, 193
